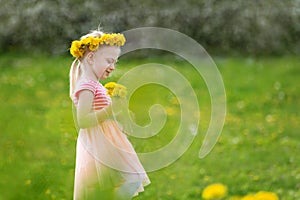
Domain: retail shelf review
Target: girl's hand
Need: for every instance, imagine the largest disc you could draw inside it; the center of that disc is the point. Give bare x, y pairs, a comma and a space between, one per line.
87, 118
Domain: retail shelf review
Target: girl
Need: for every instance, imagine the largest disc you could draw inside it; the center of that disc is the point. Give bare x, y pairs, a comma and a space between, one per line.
107, 166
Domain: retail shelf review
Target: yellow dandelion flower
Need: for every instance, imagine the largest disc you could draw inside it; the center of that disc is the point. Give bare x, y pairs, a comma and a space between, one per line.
262, 195
115, 90
110, 92
87, 41
116, 38
104, 37
170, 110
119, 91
169, 192
110, 88
53, 196
119, 39
75, 49
206, 178
214, 191
110, 85
173, 176
48, 192
249, 197
94, 44
28, 182
119, 43
255, 178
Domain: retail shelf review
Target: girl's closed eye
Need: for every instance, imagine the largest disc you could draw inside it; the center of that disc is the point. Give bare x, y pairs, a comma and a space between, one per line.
112, 62
108, 61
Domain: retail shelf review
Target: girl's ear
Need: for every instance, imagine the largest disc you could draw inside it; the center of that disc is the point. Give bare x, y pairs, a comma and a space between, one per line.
90, 58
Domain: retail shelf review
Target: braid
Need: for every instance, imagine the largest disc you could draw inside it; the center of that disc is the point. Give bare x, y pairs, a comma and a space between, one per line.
75, 73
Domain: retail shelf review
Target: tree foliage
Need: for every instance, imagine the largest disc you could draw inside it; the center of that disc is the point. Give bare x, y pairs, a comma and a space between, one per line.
255, 27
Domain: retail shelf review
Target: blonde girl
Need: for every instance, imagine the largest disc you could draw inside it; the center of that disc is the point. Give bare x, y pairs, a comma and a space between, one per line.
107, 166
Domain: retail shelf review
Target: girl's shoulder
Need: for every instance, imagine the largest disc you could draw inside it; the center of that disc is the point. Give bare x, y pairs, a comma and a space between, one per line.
88, 84
88, 81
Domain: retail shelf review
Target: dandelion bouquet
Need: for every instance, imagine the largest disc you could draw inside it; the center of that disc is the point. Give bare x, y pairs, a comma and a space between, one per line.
118, 94
115, 90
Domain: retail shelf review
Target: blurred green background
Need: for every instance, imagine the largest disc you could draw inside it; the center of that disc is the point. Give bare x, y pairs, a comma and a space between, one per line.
256, 27
255, 45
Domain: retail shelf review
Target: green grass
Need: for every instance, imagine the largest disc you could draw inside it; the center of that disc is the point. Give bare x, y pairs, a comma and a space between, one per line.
258, 149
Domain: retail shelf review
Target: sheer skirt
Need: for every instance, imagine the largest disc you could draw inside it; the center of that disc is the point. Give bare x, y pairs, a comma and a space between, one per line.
106, 160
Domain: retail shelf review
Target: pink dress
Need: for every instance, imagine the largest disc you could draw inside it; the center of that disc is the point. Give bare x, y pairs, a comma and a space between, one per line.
104, 155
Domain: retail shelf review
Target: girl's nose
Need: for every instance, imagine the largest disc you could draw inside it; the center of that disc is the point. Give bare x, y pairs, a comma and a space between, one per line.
112, 66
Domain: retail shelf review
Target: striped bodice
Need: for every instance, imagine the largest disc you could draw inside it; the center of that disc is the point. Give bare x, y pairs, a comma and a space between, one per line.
101, 99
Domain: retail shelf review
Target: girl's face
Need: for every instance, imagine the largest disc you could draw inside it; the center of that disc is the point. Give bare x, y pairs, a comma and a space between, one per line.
104, 61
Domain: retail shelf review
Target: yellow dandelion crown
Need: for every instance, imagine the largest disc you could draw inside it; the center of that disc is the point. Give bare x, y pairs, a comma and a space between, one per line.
79, 47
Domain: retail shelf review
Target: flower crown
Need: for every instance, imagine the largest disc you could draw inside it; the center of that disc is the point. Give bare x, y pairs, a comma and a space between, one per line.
79, 47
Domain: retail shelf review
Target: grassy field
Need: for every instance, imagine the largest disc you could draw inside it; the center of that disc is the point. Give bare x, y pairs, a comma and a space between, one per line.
258, 149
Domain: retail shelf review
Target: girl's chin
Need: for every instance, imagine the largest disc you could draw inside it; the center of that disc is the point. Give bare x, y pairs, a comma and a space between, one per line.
103, 77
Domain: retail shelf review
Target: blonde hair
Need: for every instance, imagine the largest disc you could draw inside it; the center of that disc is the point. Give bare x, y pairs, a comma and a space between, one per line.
76, 68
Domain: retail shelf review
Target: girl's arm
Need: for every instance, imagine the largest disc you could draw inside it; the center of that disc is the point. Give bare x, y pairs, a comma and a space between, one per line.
86, 117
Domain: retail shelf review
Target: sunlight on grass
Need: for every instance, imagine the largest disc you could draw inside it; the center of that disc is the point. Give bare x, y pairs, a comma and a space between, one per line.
257, 151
